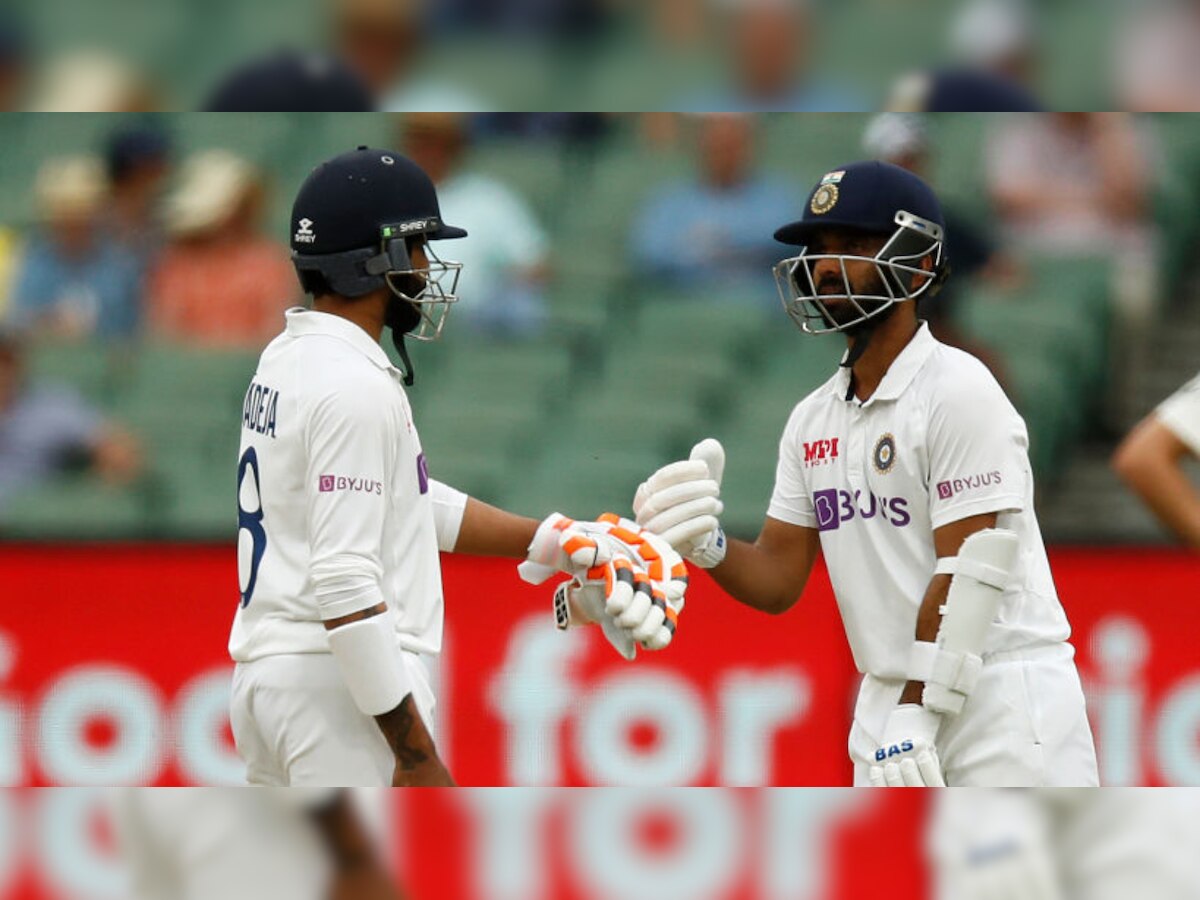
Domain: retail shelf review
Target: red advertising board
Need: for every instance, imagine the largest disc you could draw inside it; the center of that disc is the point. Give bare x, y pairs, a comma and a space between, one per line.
113, 670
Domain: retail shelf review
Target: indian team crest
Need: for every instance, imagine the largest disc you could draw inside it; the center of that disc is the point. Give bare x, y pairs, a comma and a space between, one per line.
825, 197
884, 455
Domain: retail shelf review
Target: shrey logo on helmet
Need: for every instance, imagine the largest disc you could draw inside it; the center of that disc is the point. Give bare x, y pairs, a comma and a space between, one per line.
304, 234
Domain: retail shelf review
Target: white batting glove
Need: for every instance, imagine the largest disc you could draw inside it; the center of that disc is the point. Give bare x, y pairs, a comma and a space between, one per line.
629, 581
681, 502
908, 757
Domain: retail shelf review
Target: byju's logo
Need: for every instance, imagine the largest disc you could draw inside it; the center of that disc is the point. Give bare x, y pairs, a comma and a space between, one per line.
947, 489
820, 453
328, 483
835, 507
304, 234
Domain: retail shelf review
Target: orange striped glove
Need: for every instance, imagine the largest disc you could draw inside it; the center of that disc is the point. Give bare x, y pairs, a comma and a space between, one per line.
625, 578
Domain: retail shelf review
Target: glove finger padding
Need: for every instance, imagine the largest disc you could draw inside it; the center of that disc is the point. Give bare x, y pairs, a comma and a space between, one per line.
668, 498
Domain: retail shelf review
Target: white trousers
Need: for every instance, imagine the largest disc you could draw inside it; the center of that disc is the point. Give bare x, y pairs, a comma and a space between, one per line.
1024, 725
295, 723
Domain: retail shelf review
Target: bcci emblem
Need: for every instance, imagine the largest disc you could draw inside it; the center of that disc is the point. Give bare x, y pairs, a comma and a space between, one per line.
885, 454
824, 199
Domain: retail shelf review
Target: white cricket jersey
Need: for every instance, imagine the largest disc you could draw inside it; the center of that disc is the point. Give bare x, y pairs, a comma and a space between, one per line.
334, 503
937, 442
1181, 413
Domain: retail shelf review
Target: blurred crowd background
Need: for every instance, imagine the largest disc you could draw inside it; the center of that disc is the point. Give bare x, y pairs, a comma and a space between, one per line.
487, 55
143, 266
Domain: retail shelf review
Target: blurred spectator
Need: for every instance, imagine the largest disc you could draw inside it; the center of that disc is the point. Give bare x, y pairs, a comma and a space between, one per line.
768, 45
1080, 185
138, 160
505, 260
13, 58
1158, 58
47, 430
382, 41
92, 81
292, 81
903, 140
998, 37
74, 279
713, 232
219, 283
994, 50
9, 253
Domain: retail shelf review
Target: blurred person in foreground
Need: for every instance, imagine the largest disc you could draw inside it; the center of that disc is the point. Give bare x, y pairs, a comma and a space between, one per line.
74, 279
1157, 59
291, 81
219, 283
1064, 844
506, 262
903, 140
205, 843
768, 44
47, 430
908, 470
1150, 461
1081, 185
710, 232
384, 42
994, 55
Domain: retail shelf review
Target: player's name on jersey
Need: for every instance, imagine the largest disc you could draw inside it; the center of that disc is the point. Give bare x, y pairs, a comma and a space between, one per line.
258, 410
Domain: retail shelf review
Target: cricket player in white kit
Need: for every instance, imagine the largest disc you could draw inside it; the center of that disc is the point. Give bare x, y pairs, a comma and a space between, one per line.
1150, 460
909, 471
340, 524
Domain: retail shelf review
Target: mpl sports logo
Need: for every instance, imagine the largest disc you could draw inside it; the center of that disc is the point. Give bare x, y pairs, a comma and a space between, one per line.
820, 453
328, 483
947, 489
835, 507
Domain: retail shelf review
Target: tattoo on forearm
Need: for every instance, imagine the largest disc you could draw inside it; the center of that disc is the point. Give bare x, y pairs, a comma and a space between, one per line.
405, 734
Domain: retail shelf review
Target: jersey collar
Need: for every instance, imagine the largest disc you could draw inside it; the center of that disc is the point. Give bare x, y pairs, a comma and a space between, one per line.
301, 321
900, 373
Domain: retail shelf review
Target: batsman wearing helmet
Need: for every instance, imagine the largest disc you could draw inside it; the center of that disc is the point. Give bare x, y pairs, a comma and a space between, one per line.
909, 471
340, 523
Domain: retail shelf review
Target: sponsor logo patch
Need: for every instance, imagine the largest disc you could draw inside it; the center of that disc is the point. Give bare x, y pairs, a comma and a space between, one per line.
329, 483
304, 233
820, 453
836, 507
954, 486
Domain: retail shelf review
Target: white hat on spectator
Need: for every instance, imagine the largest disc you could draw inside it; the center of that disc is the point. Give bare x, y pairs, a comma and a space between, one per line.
212, 184
70, 187
989, 32
895, 135
89, 81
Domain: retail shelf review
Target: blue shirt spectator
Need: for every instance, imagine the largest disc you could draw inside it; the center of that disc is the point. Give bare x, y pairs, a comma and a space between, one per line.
715, 232
75, 280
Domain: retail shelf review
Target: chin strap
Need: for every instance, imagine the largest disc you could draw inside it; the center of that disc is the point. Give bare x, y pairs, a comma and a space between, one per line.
406, 365
854, 353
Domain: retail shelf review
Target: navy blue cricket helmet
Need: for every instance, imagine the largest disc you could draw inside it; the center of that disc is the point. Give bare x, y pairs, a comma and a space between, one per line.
873, 198
355, 223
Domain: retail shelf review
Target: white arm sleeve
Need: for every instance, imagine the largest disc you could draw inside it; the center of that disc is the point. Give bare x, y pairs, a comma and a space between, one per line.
790, 500
1181, 414
348, 483
449, 506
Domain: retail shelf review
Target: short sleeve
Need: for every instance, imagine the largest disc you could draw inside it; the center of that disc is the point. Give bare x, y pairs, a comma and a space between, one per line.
978, 450
347, 488
791, 501
1181, 414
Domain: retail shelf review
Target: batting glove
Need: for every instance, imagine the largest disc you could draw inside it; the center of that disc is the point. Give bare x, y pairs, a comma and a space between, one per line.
629, 581
908, 757
681, 502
